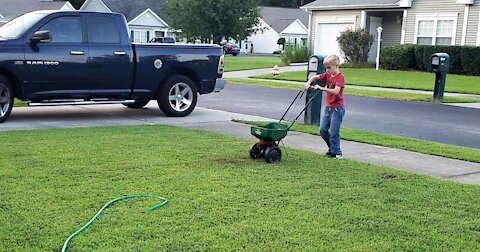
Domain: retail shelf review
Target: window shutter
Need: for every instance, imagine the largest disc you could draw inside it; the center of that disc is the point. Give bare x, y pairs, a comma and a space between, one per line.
148, 36
132, 35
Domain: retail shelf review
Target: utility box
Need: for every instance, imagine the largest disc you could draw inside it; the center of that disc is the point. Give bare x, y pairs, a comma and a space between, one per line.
313, 110
440, 65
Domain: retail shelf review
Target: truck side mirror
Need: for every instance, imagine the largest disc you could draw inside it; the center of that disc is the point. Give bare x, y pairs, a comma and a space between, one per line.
41, 37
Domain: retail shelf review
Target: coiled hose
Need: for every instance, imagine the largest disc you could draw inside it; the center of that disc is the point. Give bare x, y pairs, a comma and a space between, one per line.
164, 201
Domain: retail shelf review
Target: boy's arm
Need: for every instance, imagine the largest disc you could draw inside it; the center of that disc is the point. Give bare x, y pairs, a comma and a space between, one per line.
309, 82
338, 86
334, 91
312, 79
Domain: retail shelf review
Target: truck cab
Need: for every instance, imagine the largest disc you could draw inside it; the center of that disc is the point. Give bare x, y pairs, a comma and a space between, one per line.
76, 57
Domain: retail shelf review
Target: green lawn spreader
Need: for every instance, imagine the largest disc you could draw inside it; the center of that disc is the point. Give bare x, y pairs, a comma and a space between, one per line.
271, 134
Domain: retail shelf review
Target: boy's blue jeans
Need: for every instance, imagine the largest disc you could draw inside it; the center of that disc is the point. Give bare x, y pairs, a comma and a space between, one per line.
330, 128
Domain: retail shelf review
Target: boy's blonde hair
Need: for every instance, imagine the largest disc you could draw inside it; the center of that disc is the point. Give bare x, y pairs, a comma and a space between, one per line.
332, 59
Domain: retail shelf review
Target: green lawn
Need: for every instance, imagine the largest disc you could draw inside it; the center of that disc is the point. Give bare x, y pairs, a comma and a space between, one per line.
358, 92
396, 79
236, 63
393, 141
53, 181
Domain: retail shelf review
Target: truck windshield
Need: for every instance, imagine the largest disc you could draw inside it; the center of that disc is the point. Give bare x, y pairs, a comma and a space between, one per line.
20, 25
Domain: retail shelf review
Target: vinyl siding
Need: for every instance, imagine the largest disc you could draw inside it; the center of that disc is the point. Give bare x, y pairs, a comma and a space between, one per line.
332, 14
472, 27
433, 6
392, 32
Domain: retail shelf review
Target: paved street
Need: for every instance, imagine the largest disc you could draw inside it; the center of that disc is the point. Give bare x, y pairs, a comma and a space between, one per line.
421, 120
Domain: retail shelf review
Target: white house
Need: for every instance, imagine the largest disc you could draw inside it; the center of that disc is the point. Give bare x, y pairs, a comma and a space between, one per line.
424, 22
275, 23
10, 9
145, 19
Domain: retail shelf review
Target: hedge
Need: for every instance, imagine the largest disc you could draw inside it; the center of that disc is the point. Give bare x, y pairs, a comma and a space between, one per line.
463, 59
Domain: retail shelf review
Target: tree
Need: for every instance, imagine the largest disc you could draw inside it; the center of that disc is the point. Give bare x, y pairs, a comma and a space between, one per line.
213, 19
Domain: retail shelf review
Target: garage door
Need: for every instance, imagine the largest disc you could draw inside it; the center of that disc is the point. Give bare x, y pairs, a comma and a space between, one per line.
326, 38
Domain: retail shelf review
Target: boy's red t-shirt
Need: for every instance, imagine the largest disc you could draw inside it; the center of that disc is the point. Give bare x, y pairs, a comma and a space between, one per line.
334, 101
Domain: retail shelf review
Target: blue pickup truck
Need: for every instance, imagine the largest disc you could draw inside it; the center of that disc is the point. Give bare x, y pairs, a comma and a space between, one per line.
76, 57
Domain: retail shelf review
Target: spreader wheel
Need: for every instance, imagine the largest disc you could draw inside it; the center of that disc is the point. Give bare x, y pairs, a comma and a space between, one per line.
273, 154
257, 151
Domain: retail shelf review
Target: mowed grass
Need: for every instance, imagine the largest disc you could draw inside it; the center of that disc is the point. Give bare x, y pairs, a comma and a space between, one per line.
53, 181
238, 63
396, 79
352, 91
393, 141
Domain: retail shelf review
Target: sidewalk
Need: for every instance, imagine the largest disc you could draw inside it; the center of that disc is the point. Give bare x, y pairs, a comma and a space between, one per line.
443, 168
220, 122
249, 73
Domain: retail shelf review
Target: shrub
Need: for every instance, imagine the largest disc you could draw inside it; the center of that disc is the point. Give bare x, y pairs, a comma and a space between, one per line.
398, 57
470, 60
358, 65
355, 45
463, 59
295, 54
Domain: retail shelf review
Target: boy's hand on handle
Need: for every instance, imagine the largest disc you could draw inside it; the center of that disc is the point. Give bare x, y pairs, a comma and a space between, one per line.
317, 87
306, 86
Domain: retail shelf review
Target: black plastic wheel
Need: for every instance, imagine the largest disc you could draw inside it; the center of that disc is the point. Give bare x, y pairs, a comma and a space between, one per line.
177, 96
257, 151
6, 98
136, 104
273, 154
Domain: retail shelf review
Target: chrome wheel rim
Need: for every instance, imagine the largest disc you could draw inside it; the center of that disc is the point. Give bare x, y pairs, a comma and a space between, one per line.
180, 97
5, 98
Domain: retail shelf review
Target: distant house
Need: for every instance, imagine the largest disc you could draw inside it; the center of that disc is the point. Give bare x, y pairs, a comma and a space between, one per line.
145, 18
288, 23
425, 22
10, 9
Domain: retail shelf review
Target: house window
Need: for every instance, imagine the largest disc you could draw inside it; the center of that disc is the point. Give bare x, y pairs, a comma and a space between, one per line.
140, 36
438, 30
159, 34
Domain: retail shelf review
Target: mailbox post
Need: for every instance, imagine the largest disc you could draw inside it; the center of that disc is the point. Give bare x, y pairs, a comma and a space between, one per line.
313, 111
440, 66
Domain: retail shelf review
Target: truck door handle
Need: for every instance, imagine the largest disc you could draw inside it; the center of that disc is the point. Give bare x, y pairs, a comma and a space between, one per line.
77, 52
119, 53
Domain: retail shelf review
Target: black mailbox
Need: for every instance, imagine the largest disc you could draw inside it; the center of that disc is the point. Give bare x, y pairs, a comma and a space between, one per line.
440, 64
313, 110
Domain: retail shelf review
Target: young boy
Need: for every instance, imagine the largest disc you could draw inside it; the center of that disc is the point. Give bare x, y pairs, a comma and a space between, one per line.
335, 104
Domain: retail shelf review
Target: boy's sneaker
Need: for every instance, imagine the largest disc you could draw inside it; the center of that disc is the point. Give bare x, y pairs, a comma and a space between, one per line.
337, 156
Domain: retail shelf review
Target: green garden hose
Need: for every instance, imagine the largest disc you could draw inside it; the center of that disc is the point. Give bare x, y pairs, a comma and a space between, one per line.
164, 201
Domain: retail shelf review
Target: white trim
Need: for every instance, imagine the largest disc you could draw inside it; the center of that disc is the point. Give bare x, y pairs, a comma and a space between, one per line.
309, 34
1, 16
84, 5
465, 1
405, 3
67, 6
436, 17
296, 21
337, 20
148, 10
478, 31
404, 26
363, 20
465, 23
353, 7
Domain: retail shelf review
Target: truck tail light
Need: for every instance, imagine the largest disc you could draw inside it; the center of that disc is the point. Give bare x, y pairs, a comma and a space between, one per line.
221, 64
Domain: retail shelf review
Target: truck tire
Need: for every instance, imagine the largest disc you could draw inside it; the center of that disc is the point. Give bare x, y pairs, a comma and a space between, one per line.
177, 96
136, 104
6, 98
